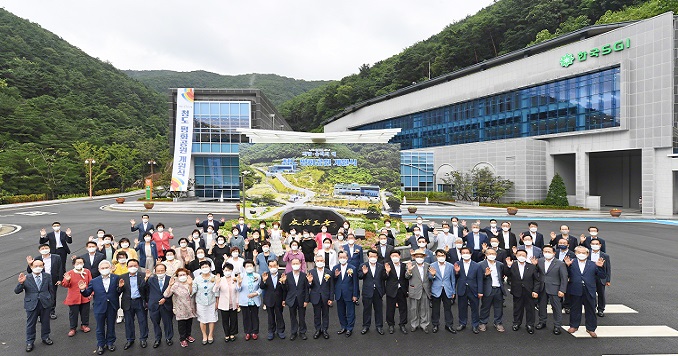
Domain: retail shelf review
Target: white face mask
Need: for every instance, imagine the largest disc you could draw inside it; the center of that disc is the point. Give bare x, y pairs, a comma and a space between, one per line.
327, 246
564, 232
122, 260
210, 231
296, 267
209, 218
169, 258
105, 271
320, 264
275, 227
124, 245
249, 270
323, 230
351, 241
595, 247
107, 242
91, 249
147, 239
466, 256
183, 279
100, 235
505, 229
306, 236
343, 261
419, 260
548, 255
161, 275
205, 270
533, 229
293, 232
387, 224
144, 220
345, 226
419, 221
522, 259
454, 223
493, 225
228, 274
441, 259
417, 232
581, 256
446, 229
459, 246
241, 222
528, 242
395, 259
44, 252
133, 270
235, 254
200, 255
56, 228
37, 270
372, 260
196, 236
475, 230
422, 244
221, 242
491, 257
160, 229
294, 247
494, 244
183, 244
340, 237
261, 226
594, 233
382, 242
265, 248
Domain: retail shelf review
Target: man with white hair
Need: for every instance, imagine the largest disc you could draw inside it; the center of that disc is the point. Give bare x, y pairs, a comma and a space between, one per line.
582, 289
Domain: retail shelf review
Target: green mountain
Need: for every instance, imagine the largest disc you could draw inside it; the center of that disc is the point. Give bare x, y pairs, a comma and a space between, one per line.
59, 106
505, 26
277, 89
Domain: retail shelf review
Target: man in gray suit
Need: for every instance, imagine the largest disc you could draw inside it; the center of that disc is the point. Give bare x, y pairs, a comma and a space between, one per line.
419, 292
37, 302
554, 278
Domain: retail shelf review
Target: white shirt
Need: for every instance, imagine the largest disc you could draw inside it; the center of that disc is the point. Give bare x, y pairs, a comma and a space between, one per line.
476, 241
494, 274
467, 265
582, 265
343, 271
595, 256
296, 278
547, 263
562, 254
442, 269
57, 237
507, 240
530, 252
320, 275
421, 271
455, 230
521, 268
458, 254
274, 279
48, 263
106, 281
397, 271
373, 268
91, 258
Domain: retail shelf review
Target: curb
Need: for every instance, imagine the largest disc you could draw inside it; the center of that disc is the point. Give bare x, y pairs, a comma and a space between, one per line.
69, 200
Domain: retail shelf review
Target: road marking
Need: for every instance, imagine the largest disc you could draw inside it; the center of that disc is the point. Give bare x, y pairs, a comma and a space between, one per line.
628, 331
609, 309
35, 213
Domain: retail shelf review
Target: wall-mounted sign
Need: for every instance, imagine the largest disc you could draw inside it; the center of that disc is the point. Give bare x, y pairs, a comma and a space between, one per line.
569, 59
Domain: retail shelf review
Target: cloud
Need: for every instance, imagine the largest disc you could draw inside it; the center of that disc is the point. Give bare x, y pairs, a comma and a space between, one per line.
305, 39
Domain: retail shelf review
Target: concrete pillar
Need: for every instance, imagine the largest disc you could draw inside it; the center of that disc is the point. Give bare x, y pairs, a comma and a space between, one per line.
648, 180
581, 164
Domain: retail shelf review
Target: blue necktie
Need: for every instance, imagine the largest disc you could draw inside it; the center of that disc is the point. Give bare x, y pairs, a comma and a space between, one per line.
38, 281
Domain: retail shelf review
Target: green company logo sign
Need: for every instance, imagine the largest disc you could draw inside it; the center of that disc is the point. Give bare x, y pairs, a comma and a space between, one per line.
568, 59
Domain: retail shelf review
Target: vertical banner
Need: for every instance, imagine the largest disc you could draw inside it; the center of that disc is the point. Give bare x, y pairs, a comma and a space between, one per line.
183, 140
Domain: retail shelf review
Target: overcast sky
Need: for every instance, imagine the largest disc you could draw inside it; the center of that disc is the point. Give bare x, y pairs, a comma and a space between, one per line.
303, 39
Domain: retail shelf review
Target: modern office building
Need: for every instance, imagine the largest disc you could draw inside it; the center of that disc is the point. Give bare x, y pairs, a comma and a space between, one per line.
598, 106
217, 116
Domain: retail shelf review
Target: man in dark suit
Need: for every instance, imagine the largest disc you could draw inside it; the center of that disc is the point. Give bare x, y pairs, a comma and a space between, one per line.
562, 250
396, 292
216, 224
583, 274
353, 251
537, 237
593, 235
295, 284
596, 253
133, 303
469, 289
58, 243
37, 302
494, 291
371, 273
383, 249
52, 266
159, 307
274, 296
243, 229
143, 227
454, 254
443, 288
107, 289
475, 241
498, 250
529, 248
554, 278
346, 292
321, 290
492, 230
423, 228
456, 228
92, 258
525, 287
572, 241
507, 239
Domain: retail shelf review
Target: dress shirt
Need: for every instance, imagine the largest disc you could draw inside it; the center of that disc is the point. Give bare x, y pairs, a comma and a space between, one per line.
421, 271
521, 268
467, 266
582, 265
547, 263
38, 280
161, 282
494, 274
562, 254
106, 282
507, 240
396, 266
48, 263
476, 241
134, 287
91, 258
530, 252
343, 270
274, 280
296, 278
57, 237
320, 275
373, 268
455, 230
442, 269
595, 256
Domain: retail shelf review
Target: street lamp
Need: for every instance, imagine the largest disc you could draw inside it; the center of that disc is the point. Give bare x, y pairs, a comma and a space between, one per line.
90, 161
151, 163
272, 121
242, 178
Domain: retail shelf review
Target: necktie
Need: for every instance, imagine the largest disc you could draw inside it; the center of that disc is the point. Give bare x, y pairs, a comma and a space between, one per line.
38, 281
162, 283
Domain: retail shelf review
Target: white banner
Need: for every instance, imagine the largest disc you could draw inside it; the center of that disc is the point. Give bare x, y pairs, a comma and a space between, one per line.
183, 140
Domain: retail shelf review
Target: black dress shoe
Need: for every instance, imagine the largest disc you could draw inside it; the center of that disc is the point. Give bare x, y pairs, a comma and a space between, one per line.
29, 347
515, 327
316, 334
475, 330
169, 342
143, 344
48, 341
293, 337
435, 329
567, 310
403, 329
461, 327
391, 329
111, 348
156, 344
128, 344
341, 331
600, 313
303, 336
100, 350
556, 330
364, 331
540, 326
349, 333
326, 335
380, 331
530, 329
451, 329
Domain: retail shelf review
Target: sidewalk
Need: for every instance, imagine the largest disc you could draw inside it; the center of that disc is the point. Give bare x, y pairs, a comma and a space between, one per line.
69, 200
189, 207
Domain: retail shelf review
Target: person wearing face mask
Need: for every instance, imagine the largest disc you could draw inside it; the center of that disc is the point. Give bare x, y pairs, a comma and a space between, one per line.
77, 304
107, 289
391, 232
237, 261
210, 222
273, 297
507, 239
295, 285
205, 300
329, 253
372, 275
416, 234
525, 287
92, 258
346, 228
181, 291
421, 245
250, 300
495, 244
572, 241
235, 240
383, 249
226, 292
339, 243
291, 236
132, 302
423, 228
252, 246
537, 237
120, 268
263, 232
294, 253
469, 289
143, 227
210, 237
322, 235
492, 230
161, 238
195, 265
475, 241
147, 251
108, 246
172, 263
196, 241
443, 288
596, 253
593, 235
276, 238
445, 238
454, 255
99, 237
419, 279
553, 274
308, 247
346, 292
243, 229
533, 252
493, 287
583, 274
396, 292
217, 253
37, 302
456, 227
159, 307
184, 253
264, 257
52, 265
321, 289
125, 246
354, 251
58, 242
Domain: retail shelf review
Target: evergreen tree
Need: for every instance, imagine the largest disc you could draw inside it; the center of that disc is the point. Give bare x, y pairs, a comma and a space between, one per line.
557, 194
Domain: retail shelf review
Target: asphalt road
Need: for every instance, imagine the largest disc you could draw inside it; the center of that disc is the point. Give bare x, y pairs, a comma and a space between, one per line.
644, 261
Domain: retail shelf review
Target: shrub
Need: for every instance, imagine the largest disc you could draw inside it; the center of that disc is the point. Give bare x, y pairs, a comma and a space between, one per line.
557, 194
12, 199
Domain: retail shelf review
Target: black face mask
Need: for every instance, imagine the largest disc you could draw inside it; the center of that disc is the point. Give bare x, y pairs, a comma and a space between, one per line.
562, 247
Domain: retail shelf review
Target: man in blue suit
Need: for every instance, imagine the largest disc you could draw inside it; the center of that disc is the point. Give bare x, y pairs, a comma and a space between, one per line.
372, 274
583, 274
37, 302
143, 227
346, 292
353, 252
596, 253
475, 241
133, 303
593, 235
529, 248
469, 289
210, 222
493, 286
159, 307
243, 229
107, 289
321, 290
443, 289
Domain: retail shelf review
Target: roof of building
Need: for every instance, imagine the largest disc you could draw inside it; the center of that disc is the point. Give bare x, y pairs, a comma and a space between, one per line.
275, 136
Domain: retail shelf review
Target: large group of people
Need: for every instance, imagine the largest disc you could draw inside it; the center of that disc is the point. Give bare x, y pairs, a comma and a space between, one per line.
207, 276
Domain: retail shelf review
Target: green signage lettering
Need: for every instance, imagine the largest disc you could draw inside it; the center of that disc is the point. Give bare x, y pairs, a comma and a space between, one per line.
569, 59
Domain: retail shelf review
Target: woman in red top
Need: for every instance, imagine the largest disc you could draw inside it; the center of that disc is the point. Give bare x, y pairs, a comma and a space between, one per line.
77, 303
161, 237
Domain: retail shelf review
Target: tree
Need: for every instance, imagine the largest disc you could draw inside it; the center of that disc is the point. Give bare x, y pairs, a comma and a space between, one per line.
100, 169
51, 165
478, 184
125, 164
557, 194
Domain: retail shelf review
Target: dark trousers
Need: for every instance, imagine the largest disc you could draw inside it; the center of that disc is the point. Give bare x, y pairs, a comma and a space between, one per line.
401, 300
376, 303
492, 300
229, 321
600, 290
74, 311
62, 253
184, 327
321, 316
447, 310
106, 326
32, 321
554, 300
136, 309
589, 303
250, 319
464, 302
276, 323
52, 309
166, 316
523, 305
298, 318
346, 312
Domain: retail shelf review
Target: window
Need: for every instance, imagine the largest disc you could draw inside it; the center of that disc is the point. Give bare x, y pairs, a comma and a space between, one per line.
217, 177
416, 171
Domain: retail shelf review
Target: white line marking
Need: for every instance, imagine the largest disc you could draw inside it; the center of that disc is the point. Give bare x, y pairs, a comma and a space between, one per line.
628, 331
609, 309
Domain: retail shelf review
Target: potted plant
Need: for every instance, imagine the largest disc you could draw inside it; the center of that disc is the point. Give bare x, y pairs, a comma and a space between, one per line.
373, 212
411, 209
615, 212
238, 206
148, 205
119, 200
512, 210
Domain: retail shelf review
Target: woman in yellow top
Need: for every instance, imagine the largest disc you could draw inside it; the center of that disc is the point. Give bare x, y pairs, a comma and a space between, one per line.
120, 268
125, 246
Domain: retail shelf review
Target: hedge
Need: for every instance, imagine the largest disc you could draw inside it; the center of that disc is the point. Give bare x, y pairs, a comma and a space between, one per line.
12, 199
440, 196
